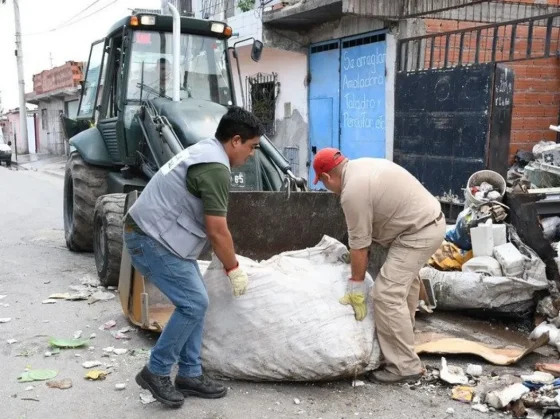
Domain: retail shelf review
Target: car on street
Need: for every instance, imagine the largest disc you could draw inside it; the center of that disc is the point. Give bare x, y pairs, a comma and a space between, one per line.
5, 152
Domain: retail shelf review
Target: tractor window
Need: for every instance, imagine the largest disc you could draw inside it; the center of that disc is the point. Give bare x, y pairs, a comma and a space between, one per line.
92, 81
203, 69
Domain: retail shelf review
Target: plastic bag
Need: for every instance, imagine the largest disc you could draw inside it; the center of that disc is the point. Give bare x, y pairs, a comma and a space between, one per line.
289, 326
460, 235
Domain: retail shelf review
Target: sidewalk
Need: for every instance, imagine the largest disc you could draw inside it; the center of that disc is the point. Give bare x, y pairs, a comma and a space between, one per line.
48, 163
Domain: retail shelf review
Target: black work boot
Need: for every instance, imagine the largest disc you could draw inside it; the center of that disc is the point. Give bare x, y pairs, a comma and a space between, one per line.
161, 388
200, 386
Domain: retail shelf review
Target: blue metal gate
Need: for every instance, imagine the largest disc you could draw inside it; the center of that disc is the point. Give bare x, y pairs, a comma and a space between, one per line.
324, 63
347, 97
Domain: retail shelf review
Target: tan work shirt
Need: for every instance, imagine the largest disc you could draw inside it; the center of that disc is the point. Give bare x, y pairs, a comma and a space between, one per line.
381, 200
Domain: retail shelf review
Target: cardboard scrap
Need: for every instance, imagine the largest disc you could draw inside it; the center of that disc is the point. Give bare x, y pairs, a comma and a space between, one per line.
440, 344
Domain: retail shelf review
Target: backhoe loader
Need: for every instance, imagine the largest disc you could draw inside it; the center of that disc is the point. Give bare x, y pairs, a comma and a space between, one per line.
155, 85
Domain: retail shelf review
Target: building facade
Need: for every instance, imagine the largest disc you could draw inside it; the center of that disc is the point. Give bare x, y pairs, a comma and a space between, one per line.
56, 92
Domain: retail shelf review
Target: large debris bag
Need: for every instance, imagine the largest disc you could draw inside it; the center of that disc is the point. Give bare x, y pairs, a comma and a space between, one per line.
289, 325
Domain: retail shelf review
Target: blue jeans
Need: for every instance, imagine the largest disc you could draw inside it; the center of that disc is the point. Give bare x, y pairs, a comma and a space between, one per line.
181, 281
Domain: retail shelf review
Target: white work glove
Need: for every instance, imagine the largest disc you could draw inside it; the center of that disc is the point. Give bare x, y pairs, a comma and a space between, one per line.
239, 280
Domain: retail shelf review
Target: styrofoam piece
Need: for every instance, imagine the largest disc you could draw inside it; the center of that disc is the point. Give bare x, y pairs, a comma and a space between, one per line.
499, 234
482, 239
511, 259
483, 265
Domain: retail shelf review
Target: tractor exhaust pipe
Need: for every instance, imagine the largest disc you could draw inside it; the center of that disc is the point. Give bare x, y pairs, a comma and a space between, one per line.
176, 52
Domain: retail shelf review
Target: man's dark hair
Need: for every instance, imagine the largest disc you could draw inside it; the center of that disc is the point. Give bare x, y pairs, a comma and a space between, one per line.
238, 121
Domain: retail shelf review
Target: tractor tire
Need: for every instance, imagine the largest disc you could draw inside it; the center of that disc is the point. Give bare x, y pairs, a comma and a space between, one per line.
83, 184
107, 237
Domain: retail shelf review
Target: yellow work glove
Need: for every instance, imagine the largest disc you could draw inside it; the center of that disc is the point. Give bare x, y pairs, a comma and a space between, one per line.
239, 280
356, 296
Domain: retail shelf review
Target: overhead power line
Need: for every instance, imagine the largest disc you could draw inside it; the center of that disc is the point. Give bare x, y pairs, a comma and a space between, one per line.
69, 22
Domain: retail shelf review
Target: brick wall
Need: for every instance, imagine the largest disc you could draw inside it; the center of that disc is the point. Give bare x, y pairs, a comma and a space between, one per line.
536, 100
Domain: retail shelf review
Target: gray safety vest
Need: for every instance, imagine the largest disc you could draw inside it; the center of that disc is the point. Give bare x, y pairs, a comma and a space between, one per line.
167, 212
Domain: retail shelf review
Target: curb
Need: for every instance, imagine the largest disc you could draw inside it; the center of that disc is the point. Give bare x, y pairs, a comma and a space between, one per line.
53, 173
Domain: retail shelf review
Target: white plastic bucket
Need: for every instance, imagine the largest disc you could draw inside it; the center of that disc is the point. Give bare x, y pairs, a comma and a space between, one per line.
493, 178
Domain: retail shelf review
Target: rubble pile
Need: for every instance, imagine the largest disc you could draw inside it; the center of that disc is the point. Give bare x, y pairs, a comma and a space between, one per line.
482, 263
485, 391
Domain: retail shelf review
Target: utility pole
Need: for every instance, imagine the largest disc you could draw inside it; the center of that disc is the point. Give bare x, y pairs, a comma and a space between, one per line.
21, 79
183, 6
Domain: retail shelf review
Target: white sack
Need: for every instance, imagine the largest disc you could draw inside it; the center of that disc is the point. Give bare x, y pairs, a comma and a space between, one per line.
467, 290
289, 326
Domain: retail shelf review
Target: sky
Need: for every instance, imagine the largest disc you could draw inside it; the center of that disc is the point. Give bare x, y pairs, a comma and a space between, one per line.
69, 43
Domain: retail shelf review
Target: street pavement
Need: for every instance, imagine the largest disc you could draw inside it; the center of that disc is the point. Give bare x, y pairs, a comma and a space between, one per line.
36, 264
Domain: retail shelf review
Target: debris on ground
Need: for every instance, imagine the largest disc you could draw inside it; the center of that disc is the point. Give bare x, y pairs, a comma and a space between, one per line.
49, 301
11, 341
452, 374
96, 375
52, 352
77, 334
5, 319
108, 325
450, 411
119, 335
100, 296
553, 369
91, 364
474, 370
147, 398
37, 375
297, 401
462, 394
62, 384
2, 296
358, 383
68, 343
120, 386
499, 399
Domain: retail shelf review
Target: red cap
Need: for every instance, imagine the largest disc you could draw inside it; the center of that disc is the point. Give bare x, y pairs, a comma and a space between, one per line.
325, 160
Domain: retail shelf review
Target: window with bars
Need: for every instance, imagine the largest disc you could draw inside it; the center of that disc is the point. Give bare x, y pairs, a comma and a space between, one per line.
262, 94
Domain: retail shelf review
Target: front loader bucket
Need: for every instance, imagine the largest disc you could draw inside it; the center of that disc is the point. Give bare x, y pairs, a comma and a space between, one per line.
262, 224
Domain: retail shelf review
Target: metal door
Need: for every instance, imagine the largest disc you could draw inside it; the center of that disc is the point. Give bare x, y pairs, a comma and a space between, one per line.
362, 96
324, 64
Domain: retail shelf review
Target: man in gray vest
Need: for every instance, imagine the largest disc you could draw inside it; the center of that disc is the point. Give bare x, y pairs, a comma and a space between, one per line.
182, 208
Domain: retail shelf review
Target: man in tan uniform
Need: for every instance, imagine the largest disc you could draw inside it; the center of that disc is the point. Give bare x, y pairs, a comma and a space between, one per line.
384, 203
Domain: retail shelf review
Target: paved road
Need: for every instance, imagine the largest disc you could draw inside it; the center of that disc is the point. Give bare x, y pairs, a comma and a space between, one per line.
36, 263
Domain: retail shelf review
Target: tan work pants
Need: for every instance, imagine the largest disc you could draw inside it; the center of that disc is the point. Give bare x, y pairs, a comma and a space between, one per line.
395, 296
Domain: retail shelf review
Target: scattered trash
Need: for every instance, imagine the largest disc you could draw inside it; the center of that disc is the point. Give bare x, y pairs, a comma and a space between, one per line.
108, 325
462, 394
518, 409
55, 351
62, 384
452, 374
37, 375
553, 369
11, 341
120, 386
68, 343
119, 335
126, 329
92, 336
90, 281
5, 319
147, 398
91, 364
49, 301
78, 334
450, 411
297, 401
442, 344
29, 388
474, 370
358, 383
499, 399
480, 407
100, 296
538, 377
33, 399
2, 297
546, 308
111, 288
120, 351
96, 375
4, 305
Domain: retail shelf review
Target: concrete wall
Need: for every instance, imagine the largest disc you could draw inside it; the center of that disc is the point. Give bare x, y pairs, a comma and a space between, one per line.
12, 132
291, 105
536, 100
